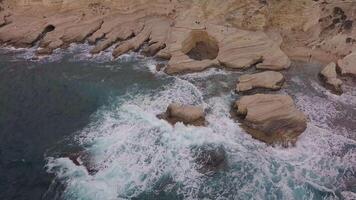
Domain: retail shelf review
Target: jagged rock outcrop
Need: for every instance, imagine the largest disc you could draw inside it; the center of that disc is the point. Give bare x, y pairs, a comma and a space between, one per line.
186, 114
172, 30
234, 33
329, 76
347, 65
271, 118
155, 30
234, 49
268, 80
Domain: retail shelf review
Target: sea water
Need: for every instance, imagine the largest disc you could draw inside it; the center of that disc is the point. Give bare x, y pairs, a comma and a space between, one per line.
76, 126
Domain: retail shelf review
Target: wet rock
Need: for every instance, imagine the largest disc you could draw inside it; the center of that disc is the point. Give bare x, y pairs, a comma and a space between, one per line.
187, 114
271, 118
269, 80
329, 76
210, 158
160, 66
347, 65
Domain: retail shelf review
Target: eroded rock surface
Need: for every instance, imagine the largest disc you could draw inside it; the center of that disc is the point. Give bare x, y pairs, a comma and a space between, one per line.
174, 30
194, 35
268, 79
187, 114
231, 48
329, 76
347, 65
271, 118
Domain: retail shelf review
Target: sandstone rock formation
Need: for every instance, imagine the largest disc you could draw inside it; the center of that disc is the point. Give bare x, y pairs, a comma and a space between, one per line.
171, 29
187, 114
235, 33
347, 65
230, 47
271, 118
268, 79
329, 76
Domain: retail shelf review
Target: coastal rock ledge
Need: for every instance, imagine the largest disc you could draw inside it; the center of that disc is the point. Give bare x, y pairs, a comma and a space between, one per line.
172, 30
268, 80
347, 65
329, 76
271, 118
187, 114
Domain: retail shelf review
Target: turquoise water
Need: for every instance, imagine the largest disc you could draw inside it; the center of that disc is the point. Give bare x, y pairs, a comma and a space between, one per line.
77, 127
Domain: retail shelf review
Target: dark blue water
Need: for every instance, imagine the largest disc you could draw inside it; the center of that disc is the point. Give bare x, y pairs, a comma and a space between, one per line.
41, 103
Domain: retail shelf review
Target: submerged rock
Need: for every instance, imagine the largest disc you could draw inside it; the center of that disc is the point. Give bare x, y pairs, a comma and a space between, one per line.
187, 114
347, 65
209, 158
269, 80
329, 76
271, 118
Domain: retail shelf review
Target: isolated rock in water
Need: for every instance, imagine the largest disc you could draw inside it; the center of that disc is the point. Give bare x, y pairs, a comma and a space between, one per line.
271, 118
209, 157
347, 65
269, 80
329, 75
184, 113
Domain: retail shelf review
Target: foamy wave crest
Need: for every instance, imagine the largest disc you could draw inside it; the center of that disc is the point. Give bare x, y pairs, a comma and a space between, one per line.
137, 155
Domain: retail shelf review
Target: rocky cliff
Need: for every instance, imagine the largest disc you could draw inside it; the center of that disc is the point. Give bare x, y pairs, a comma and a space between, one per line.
305, 29
194, 35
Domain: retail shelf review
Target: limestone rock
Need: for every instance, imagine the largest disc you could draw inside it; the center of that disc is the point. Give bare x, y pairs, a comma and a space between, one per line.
347, 65
66, 32
215, 45
154, 31
269, 80
245, 48
236, 29
22, 32
329, 75
172, 30
184, 113
271, 118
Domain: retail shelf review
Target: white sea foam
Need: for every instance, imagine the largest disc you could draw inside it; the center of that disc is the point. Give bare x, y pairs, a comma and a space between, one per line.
133, 151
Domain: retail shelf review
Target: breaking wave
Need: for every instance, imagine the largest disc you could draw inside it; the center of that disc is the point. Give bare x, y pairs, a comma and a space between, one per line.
128, 153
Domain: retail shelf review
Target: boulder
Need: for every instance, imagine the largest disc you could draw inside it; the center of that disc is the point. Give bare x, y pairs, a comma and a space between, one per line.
271, 118
269, 80
347, 65
329, 76
209, 158
187, 114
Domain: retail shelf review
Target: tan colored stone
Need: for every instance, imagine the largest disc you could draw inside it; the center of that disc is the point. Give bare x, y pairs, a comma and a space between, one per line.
269, 80
329, 75
309, 30
155, 32
347, 65
236, 49
184, 113
271, 118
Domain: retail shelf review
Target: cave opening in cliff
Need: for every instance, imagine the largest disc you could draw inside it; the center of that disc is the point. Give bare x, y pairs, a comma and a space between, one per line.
199, 45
